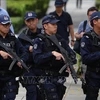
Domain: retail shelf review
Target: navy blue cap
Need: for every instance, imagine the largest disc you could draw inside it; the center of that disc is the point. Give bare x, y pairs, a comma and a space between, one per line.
49, 19
59, 2
95, 15
30, 15
4, 19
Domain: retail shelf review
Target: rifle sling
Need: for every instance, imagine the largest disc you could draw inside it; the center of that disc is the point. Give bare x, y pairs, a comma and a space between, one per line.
56, 42
25, 38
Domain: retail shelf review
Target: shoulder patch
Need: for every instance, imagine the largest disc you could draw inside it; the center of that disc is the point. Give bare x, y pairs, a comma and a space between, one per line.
35, 46
82, 44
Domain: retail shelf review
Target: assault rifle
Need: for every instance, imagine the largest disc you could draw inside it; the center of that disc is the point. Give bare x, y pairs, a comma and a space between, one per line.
68, 61
15, 57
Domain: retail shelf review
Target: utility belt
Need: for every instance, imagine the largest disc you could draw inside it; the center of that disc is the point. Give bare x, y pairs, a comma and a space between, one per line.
92, 69
55, 73
48, 72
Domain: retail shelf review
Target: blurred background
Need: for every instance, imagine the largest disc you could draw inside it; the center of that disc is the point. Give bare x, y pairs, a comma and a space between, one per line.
17, 9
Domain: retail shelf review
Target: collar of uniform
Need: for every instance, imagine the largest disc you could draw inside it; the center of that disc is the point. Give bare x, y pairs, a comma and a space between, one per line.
30, 33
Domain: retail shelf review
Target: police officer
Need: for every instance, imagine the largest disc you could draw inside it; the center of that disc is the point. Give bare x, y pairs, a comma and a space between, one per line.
3, 11
90, 52
8, 83
30, 32
49, 60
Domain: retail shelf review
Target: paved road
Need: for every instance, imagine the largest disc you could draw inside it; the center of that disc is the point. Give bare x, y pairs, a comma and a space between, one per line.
73, 91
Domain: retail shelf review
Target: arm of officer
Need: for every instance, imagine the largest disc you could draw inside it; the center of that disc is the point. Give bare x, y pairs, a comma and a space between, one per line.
5, 55
86, 47
58, 55
21, 51
40, 56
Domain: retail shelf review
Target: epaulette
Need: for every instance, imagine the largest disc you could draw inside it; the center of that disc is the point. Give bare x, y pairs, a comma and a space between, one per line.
88, 35
40, 39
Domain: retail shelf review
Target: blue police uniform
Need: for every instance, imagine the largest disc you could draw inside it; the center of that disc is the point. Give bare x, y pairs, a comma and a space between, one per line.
8, 84
90, 56
49, 66
90, 52
31, 86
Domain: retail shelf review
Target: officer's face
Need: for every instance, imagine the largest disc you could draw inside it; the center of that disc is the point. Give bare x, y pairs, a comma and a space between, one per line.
97, 25
31, 23
4, 28
50, 28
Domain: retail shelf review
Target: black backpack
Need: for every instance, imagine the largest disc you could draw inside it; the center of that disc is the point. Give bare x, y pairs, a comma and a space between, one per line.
76, 47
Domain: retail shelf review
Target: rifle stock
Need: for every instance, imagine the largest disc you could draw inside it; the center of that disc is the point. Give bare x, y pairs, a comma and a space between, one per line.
68, 62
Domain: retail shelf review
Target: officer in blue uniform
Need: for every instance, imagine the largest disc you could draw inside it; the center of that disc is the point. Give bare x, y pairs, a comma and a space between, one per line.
8, 83
29, 33
49, 60
90, 52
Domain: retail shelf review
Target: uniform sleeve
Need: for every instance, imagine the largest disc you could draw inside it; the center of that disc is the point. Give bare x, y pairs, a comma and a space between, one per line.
21, 51
39, 55
86, 47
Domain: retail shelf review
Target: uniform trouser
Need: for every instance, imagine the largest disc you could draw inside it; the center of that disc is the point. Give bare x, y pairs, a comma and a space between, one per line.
61, 91
8, 88
31, 93
48, 89
30, 85
93, 85
53, 90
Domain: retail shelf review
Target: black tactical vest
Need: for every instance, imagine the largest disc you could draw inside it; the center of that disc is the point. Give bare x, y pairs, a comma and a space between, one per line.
52, 64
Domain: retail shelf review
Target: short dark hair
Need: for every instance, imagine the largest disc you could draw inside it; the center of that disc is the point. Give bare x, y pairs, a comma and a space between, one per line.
91, 9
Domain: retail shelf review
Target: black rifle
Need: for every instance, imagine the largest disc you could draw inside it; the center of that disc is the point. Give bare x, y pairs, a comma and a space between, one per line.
25, 38
68, 62
15, 57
